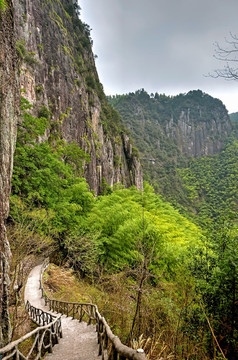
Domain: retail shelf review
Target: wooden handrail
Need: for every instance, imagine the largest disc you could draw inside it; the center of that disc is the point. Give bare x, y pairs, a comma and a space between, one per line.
50, 330
47, 334
107, 341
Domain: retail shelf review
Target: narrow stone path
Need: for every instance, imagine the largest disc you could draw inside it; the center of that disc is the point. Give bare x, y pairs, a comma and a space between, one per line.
79, 340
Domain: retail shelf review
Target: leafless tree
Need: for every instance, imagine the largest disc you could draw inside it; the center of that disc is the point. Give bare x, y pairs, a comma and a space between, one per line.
229, 55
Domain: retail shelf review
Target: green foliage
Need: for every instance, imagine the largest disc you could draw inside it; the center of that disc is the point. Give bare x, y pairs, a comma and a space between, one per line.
105, 188
73, 9
29, 58
44, 112
40, 179
20, 46
119, 228
216, 275
24, 54
90, 82
208, 187
31, 127
135, 152
2, 5
58, 20
46, 177
111, 120
116, 160
212, 183
152, 121
124, 231
145, 117
39, 89
72, 154
234, 117
128, 224
212, 186
70, 9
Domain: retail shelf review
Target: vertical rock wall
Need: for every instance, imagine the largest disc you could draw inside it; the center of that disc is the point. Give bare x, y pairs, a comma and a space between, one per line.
9, 98
58, 71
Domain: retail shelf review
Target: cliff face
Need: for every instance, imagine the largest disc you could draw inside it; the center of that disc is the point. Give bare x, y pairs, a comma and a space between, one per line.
170, 130
58, 71
195, 123
9, 102
198, 131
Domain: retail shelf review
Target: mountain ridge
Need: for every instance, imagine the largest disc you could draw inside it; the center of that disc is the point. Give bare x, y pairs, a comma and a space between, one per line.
169, 130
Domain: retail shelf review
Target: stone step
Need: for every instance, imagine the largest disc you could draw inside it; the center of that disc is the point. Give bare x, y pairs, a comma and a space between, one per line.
79, 340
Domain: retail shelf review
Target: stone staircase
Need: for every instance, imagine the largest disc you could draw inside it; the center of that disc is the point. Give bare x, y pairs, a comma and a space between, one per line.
62, 333
79, 340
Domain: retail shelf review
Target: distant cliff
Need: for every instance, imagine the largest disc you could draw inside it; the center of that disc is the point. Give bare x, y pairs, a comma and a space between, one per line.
58, 72
170, 130
9, 102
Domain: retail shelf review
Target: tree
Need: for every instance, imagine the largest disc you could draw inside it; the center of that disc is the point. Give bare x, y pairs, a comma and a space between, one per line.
216, 275
229, 55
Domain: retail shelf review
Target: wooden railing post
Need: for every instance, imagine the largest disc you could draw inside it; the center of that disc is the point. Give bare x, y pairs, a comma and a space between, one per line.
113, 354
104, 333
81, 313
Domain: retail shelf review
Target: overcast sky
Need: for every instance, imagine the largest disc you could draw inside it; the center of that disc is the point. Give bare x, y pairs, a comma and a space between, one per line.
161, 45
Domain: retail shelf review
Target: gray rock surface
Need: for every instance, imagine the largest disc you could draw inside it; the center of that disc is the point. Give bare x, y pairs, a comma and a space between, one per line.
9, 100
59, 78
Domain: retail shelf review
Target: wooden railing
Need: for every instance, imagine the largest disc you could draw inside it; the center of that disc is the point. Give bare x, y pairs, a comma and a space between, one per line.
110, 346
49, 331
41, 339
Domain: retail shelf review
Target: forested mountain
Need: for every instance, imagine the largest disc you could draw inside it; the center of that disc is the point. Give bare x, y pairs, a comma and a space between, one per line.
189, 151
234, 117
169, 130
211, 183
77, 193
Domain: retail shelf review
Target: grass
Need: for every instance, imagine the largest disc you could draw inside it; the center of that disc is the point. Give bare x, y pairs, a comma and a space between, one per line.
108, 294
115, 296
62, 284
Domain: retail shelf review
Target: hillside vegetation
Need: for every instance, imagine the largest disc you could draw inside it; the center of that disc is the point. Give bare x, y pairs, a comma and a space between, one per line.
203, 185
170, 130
169, 272
164, 274
49, 194
211, 184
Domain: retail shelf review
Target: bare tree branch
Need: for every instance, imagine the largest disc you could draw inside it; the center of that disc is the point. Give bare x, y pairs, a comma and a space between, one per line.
228, 54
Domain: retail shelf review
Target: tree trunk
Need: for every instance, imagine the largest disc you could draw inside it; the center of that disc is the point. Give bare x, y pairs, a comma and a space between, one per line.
139, 298
9, 103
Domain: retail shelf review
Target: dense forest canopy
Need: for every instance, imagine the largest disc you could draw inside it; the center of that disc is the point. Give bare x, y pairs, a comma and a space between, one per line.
234, 117
170, 130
